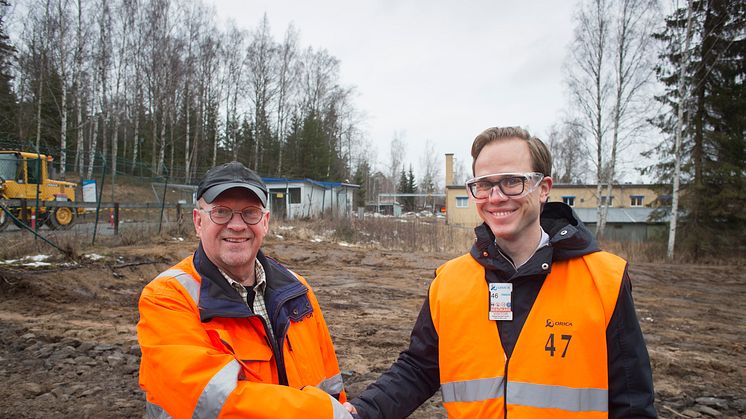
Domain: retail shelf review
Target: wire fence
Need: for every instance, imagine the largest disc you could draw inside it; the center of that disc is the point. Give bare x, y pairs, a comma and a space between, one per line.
35, 200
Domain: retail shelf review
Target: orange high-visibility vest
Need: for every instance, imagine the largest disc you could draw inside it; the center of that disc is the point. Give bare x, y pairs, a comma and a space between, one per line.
558, 368
224, 367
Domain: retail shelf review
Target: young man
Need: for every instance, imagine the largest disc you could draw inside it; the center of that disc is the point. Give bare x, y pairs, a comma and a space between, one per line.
229, 332
535, 322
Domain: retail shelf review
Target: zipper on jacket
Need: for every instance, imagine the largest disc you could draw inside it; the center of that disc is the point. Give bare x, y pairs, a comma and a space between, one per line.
280, 357
509, 260
290, 345
505, 387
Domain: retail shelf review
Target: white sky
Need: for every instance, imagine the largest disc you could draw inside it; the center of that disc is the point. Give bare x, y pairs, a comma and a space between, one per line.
434, 69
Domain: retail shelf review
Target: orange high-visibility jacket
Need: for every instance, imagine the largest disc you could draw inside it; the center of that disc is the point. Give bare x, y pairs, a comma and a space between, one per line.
206, 355
558, 368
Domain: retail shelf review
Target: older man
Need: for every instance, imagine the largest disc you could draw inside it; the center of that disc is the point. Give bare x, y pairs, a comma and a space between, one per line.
229, 332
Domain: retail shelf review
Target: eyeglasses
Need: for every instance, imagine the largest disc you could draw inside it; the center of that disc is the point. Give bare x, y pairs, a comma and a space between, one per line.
222, 215
509, 184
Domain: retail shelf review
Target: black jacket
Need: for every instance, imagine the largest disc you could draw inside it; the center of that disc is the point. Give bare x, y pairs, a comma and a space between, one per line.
414, 377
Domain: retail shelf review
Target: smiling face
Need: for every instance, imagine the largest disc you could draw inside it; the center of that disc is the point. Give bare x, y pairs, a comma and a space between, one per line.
231, 247
513, 220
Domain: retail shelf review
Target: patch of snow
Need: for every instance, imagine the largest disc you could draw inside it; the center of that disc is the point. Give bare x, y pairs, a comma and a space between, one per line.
37, 264
285, 227
37, 258
9, 261
93, 256
279, 237
345, 244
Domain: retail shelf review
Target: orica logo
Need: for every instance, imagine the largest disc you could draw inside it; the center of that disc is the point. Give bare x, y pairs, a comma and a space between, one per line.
551, 323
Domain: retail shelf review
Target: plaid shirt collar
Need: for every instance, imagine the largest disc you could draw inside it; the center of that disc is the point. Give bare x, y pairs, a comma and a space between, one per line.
259, 285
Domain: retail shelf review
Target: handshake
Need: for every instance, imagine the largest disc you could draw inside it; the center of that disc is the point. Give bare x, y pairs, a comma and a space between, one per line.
350, 408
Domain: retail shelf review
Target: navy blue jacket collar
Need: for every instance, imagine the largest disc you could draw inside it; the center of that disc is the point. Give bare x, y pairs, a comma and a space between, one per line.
568, 238
219, 299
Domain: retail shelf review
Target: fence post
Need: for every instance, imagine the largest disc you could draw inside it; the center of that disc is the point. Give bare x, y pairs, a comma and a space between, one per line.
179, 218
116, 218
24, 211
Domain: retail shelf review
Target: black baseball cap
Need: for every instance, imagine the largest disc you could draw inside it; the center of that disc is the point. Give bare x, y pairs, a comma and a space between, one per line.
231, 175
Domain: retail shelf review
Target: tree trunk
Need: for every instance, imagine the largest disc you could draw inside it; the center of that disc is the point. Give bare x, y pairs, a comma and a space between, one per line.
679, 132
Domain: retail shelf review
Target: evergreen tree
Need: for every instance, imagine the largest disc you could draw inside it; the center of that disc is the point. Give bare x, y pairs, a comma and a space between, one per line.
314, 155
8, 127
411, 187
362, 174
713, 156
407, 184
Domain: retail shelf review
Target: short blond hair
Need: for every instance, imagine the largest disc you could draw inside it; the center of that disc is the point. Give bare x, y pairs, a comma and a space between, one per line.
541, 158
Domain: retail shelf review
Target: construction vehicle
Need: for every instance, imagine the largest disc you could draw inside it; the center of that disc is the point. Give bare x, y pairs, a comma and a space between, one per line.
25, 177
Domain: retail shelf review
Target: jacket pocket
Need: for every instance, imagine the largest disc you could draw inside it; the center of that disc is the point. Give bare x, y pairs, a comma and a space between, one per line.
251, 351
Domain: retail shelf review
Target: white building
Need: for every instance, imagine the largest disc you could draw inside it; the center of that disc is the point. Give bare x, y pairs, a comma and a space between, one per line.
306, 198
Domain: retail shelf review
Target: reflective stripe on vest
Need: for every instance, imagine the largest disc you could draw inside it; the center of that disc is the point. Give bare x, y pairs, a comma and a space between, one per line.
333, 385
153, 411
472, 390
187, 281
558, 397
216, 391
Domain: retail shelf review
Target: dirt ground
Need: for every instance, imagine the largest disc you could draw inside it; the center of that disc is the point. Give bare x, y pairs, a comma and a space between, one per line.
68, 347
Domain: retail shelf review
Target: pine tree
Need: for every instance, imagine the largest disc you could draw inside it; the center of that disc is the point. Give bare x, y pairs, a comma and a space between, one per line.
713, 156
362, 174
411, 187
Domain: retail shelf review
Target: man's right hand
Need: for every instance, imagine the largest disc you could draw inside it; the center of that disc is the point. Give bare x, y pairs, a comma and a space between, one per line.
350, 408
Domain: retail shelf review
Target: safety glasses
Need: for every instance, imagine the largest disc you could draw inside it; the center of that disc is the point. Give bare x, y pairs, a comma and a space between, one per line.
509, 184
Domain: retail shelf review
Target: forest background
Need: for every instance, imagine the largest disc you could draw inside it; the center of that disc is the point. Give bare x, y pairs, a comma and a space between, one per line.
157, 88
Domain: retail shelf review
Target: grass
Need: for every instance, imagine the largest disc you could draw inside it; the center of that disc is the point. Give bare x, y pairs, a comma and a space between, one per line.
428, 235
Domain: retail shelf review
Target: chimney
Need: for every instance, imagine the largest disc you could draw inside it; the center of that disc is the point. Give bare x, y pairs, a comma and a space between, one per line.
449, 169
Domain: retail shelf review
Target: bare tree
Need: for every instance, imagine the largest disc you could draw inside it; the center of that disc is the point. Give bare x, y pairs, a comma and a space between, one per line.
610, 69
262, 81
62, 57
683, 94
633, 24
589, 83
158, 81
567, 145
460, 171
287, 79
397, 153
431, 167
233, 84
77, 87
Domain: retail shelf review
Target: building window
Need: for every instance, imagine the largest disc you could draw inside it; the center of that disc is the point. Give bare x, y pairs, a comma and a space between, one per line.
636, 200
569, 200
462, 202
610, 198
294, 195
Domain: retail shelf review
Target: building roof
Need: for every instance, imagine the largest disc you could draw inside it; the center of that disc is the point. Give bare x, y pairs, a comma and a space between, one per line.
326, 185
619, 215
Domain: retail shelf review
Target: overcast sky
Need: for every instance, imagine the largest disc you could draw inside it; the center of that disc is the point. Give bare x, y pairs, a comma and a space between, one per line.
436, 70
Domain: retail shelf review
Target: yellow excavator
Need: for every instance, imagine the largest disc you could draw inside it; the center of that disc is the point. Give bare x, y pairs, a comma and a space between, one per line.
26, 176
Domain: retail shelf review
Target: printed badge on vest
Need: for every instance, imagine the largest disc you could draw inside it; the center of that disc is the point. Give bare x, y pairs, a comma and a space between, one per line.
500, 301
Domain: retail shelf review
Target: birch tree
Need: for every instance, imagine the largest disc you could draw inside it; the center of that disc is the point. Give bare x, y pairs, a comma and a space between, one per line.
589, 84
608, 73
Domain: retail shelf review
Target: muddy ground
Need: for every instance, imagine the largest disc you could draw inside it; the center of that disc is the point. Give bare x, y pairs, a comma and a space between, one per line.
68, 347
